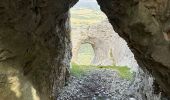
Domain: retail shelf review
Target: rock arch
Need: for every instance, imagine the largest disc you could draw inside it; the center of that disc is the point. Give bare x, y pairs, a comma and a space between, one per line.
109, 48
100, 47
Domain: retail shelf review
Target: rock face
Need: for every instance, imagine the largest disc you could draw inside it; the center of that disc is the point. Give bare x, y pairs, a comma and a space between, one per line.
34, 39
109, 48
99, 40
34, 46
144, 24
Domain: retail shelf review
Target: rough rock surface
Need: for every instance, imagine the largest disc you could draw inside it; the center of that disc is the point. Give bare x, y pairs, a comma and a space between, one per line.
99, 42
104, 84
144, 24
34, 47
34, 38
109, 48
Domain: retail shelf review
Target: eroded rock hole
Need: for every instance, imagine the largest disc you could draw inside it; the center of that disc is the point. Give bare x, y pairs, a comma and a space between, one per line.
85, 54
167, 35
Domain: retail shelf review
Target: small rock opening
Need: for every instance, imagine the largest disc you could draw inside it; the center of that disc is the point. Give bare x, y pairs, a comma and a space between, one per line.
167, 36
85, 54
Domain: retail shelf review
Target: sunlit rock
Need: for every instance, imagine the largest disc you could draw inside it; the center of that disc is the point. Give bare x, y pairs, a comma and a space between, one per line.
109, 48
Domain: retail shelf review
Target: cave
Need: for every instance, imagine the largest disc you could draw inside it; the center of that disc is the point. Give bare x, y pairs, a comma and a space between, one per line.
35, 41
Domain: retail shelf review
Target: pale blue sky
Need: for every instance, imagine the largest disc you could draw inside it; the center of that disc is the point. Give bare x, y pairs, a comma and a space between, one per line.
91, 4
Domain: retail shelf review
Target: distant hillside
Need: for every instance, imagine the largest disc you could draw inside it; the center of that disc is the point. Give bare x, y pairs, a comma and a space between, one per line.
85, 13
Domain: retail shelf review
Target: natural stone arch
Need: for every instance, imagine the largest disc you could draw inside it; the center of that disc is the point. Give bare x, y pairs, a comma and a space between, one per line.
109, 48
99, 44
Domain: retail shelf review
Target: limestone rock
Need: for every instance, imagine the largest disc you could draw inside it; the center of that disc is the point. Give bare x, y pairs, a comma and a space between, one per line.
109, 48
34, 41
144, 24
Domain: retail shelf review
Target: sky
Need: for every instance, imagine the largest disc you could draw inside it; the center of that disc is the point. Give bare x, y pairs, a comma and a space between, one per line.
90, 4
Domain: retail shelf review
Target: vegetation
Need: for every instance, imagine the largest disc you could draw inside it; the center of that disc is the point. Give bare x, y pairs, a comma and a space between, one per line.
80, 70
123, 71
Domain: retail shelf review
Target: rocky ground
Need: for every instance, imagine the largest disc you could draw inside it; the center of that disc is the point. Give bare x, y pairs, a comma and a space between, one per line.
99, 84
106, 84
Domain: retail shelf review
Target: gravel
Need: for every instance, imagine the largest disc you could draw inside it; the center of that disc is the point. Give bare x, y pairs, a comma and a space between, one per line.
99, 84
105, 84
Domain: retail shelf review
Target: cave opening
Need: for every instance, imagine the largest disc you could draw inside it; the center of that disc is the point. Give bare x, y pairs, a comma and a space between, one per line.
35, 50
101, 59
83, 15
92, 34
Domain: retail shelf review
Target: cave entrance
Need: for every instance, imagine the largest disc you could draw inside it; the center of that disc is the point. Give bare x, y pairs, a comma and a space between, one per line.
101, 59
90, 26
83, 15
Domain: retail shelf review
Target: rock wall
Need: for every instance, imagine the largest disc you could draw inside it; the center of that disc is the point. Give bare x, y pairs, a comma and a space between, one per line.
114, 46
34, 38
143, 88
35, 48
98, 41
144, 24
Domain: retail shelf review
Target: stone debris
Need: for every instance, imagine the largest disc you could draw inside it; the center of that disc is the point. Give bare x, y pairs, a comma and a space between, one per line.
104, 84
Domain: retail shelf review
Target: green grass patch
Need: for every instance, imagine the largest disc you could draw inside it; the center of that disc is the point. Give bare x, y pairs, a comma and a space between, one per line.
123, 71
80, 70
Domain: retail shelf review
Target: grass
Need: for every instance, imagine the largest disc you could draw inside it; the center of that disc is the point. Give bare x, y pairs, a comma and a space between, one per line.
123, 71
85, 56
80, 70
